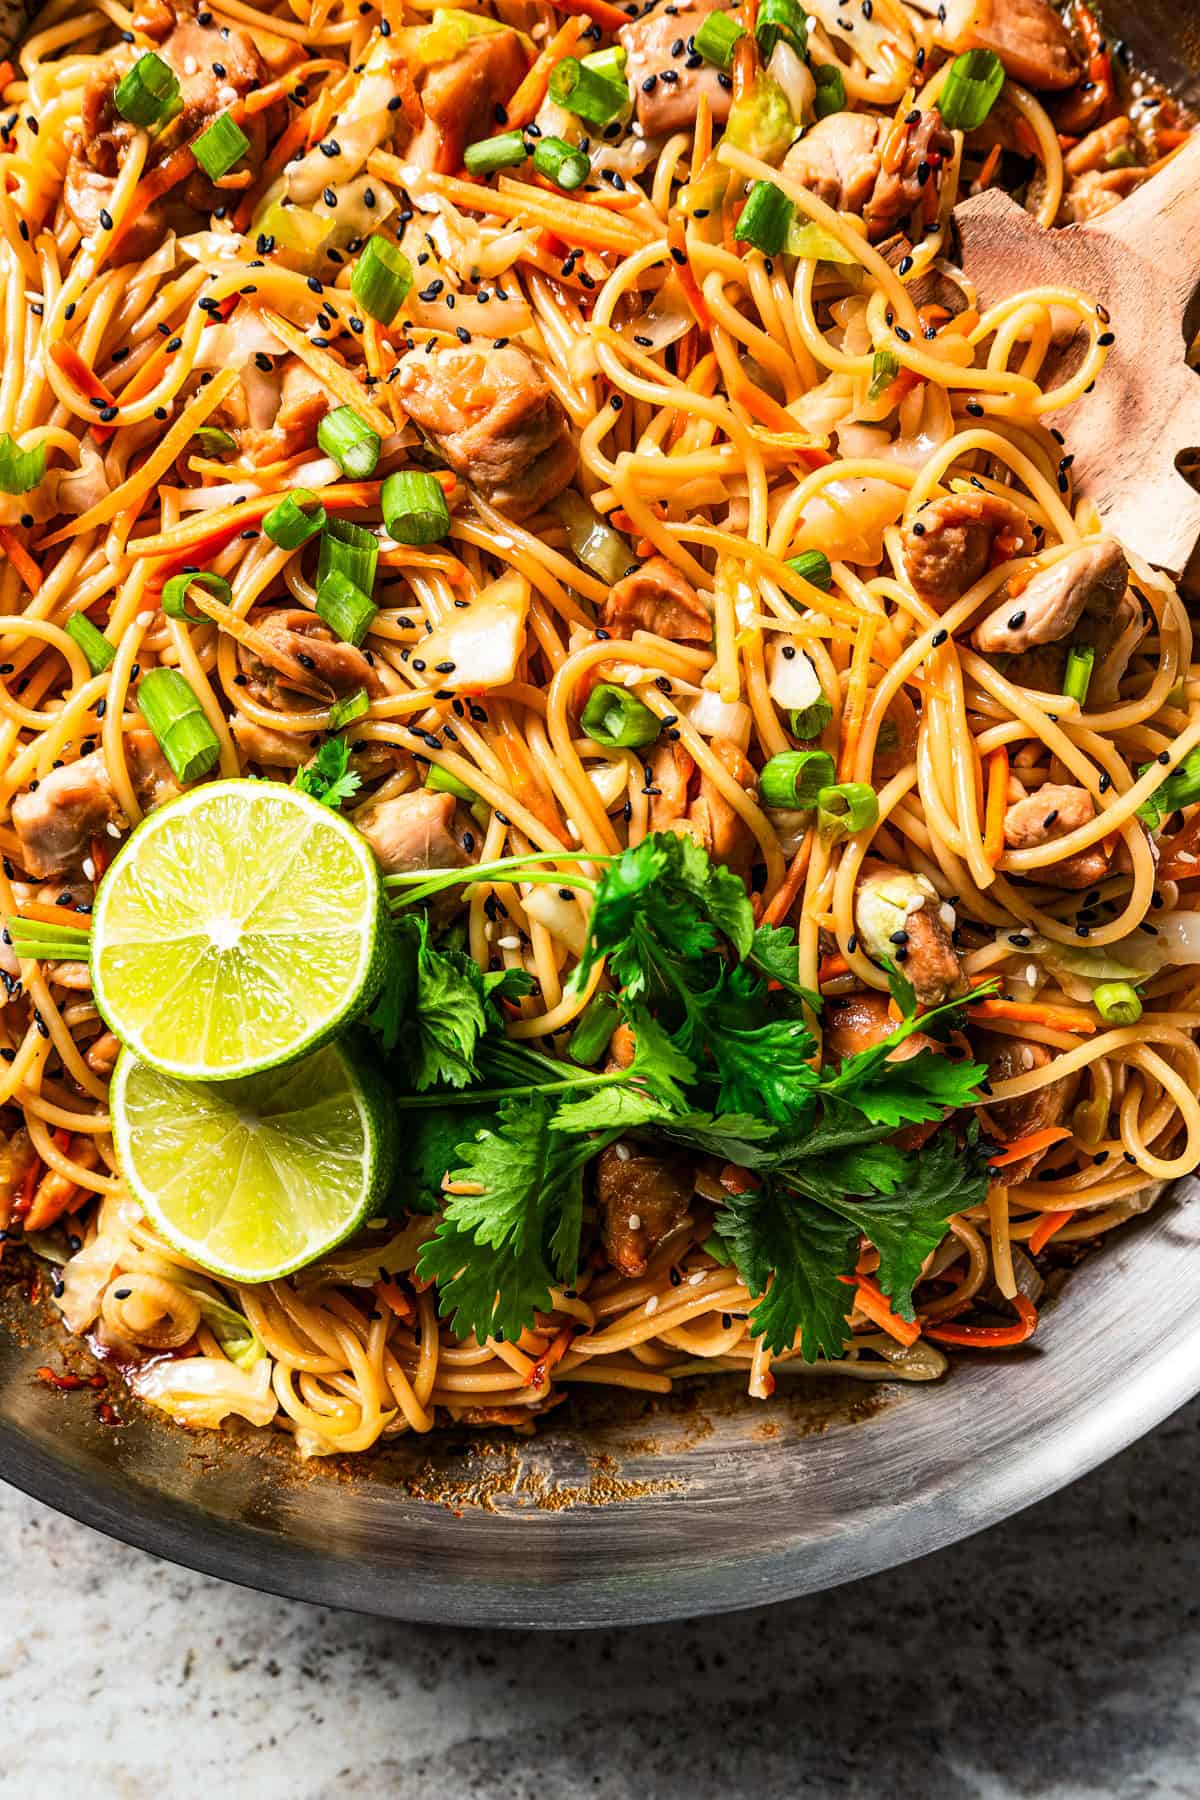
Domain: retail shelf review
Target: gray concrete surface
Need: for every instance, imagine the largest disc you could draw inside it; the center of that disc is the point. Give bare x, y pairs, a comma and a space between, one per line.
1056, 1655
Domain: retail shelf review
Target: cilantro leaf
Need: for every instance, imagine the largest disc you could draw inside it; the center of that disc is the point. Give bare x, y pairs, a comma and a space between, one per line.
430, 1007
774, 953
430, 1145
792, 1254
498, 1250
329, 777
901, 989
659, 1064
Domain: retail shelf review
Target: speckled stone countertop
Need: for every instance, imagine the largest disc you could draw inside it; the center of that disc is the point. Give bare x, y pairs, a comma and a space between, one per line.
1056, 1655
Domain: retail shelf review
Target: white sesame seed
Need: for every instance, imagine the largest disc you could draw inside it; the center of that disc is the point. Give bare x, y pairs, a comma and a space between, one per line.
635, 1221
89, 868
509, 943
623, 1152
652, 1304
112, 830
697, 1277
145, 620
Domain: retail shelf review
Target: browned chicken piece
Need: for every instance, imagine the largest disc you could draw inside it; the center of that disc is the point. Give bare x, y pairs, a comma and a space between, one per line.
155, 19
721, 829
896, 745
1052, 812
103, 1052
657, 598
461, 98
642, 1199
1006, 1058
417, 831
303, 403
301, 636
1098, 192
860, 1021
951, 542
1087, 868
898, 192
671, 770
658, 42
838, 160
149, 771
56, 821
492, 415
900, 916
1090, 579
1029, 38
76, 977
268, 748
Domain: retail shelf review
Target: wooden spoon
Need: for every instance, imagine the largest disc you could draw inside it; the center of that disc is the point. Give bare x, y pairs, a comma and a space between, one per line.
1140, 424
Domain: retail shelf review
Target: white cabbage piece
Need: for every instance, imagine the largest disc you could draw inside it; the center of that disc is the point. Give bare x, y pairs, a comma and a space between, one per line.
200, 1390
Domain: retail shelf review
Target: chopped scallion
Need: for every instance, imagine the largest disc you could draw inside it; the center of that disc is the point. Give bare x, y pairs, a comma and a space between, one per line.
298, 517
809, 722
561, 163
381, 279
443, 782
352, 551
504, 151
20, 469
780, 20
350, 441
813, 566
796, 778
617, 718
174, 594
213, 441
1081, 659
95, 646
831, 90
344, 712
222, 145
178, 721
1117, 1003
590, 1038
414, 507
597, 99
348, 612
847, 807
885, 366
148, 93
765, 219
971, 89
717, 37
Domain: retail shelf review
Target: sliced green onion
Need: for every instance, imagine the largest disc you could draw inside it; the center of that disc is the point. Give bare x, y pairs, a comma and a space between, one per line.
353, 706
716, 38
780, 19
1117, 1003
213, 441
609, 63
414, 507
831, 90
35, 940
561, 163
20, 469
885, 366
148, 94
814, 567
1180, 788
1077, 679
298, 517
595, 98
765, 218
590, 1038
443, 782
971, 89
795, 778
816, 244
95, 646
222, 145
350, 441
847, 807
348, 612
486, 155
1123, 157
381, 279
174, 594
810, 721
615, 717
178, 721
352, 551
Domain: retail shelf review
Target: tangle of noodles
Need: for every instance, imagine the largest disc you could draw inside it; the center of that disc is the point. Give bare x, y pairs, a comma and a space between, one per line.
726, 411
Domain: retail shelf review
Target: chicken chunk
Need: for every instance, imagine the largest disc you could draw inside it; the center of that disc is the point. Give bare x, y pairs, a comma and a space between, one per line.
102, 1053
268, 748
1052, 812
149, 771
657, 44
718, 825
56, 821
416, 831
461, 98
900, 190
642, 1199
1006, 1058
901, 918
302, 656
671, 771
953, 540
303, 403
1090, 579
492, 415
657, 598
1029, 38
861, 1021
838, 160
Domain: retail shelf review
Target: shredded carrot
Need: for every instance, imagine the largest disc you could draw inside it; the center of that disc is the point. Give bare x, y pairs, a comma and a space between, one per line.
856, 694
1170, 137
1046, 1227
677, 244
8, 73
210, 531
609, 18
557, 1350
523, 106
831, 968
990, 1337
395, 1298
20, 558
997, 806
574, 221
987, 173
169, 173
788, 891
1029, 1145
872, 1300
1028, 1012
329, 372
85, 381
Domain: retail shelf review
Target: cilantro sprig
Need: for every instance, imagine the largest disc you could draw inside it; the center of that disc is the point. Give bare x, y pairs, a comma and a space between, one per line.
329, 777
725, 1065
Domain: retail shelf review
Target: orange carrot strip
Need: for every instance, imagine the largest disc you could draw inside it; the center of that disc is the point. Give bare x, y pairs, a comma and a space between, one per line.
1027, 1145
987, 173
1055, 1018
329, 372
575, 222
856, 694
529, 96
395, 1298
213, 529
787, 893
152, 187
830, 968
20, 558
990, 1337
1046, 1227
872, 1300
85, 381
677, 244
609, 18
557, 1350
997, 806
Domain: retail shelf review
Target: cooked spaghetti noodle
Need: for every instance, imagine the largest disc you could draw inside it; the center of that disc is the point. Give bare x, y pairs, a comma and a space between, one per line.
735, 475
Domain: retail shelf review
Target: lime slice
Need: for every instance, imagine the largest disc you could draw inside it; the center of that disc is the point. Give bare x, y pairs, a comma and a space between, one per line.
254, 1177
238, 928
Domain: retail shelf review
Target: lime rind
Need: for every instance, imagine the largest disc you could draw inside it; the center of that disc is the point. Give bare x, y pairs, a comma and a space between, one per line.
255, 1177
237, 929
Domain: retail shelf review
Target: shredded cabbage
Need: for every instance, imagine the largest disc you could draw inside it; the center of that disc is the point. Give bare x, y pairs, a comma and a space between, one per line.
199, 1390
761, 122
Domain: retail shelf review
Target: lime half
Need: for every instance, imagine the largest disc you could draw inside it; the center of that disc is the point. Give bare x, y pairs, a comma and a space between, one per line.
238, 928
252, 1178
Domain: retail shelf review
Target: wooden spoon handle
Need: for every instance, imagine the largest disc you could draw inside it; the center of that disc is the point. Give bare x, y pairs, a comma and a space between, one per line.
1160, 221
